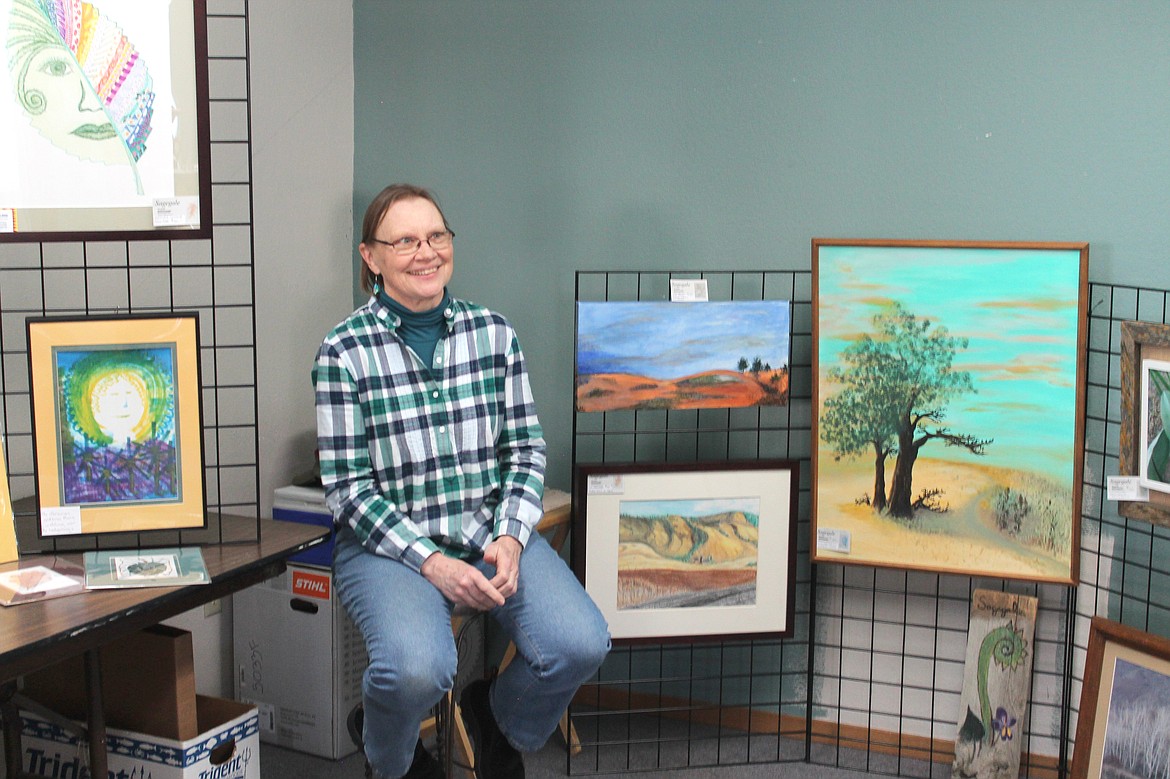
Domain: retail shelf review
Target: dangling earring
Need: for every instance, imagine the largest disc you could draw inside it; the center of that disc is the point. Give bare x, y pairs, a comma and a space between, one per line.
377, 284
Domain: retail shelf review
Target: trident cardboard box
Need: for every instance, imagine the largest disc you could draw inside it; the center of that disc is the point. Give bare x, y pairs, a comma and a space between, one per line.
227, 747
299, 659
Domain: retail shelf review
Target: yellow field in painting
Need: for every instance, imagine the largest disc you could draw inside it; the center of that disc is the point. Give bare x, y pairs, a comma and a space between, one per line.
964, 539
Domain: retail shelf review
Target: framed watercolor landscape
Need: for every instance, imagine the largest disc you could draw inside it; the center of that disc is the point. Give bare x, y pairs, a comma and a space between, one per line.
948, 388
685, 551
1141, 343
724, 354
117, 423
1123, 724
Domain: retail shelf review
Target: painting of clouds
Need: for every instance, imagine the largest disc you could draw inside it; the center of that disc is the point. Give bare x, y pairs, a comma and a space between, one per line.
635, 355
948, 406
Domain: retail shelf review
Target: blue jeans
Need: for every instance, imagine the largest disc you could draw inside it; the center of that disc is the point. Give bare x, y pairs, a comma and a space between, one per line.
560, 636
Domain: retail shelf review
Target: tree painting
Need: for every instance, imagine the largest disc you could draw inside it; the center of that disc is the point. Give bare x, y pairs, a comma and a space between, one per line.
1137, 735
947, 406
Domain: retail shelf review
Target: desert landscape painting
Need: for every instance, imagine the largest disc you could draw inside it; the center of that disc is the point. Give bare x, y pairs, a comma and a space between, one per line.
685, 553
948, 406
725, 354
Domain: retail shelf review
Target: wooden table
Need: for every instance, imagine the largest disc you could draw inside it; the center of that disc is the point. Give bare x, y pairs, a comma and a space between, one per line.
38, 634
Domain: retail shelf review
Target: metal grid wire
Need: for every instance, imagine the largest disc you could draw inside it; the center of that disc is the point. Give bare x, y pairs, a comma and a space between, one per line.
730, 702
875, 665
213, 277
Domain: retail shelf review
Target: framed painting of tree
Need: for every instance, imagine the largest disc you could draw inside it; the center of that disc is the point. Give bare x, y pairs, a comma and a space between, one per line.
948, 384
117, 423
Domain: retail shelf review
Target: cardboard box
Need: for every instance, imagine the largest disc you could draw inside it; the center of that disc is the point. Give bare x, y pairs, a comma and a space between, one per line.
227, 746
148, 684
299, 659
306, 504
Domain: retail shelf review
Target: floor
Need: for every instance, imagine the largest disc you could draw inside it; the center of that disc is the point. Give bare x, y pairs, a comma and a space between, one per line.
278, 763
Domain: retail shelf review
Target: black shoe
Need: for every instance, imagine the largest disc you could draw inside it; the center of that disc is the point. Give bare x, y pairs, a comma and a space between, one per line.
495, 758
424, 766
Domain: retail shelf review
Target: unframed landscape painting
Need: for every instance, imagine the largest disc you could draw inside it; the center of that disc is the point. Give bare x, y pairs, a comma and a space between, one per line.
947, 388
725, 354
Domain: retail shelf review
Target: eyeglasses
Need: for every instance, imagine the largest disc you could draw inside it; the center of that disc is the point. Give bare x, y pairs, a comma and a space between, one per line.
406, 245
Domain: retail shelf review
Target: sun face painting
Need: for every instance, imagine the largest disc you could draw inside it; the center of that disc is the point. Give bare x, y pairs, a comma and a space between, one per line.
948, 407
724, 354
117, 413
680, 553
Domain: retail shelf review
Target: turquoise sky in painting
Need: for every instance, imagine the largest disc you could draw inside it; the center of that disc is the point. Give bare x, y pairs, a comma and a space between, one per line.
1017, 307
670, 340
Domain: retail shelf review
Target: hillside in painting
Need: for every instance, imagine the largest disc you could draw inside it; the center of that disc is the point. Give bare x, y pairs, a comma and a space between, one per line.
673, 561
710, 389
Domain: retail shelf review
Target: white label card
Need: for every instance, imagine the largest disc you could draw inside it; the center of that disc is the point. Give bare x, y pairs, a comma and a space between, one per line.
181, 211
688, 290
60, 520
834, 541
605, 485
1126, 488
7, 220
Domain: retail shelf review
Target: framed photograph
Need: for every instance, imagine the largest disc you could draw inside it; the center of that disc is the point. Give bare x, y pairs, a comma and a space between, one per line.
117, 423
1123, 725
1143, 345
104, 131
1155, 451
688, 551
655, 354
948, 388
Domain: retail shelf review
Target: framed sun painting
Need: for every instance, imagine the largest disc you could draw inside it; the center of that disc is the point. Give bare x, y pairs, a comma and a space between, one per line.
948, 389
104, 120
688, 551
1123, 725
117, 423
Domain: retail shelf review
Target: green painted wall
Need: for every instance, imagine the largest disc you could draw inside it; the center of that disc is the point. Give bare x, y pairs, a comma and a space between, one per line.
679, 134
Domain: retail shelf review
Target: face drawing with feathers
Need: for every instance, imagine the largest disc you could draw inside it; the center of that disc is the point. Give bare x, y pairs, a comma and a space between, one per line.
64, 108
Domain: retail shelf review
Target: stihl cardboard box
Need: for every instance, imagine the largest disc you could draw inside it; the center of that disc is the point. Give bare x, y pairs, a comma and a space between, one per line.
299, 658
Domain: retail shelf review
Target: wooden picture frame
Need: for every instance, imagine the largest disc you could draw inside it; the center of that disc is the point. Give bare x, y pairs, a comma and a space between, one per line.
117, 423
948, 396
688, 551
1140, 341
132, 159
1126, 692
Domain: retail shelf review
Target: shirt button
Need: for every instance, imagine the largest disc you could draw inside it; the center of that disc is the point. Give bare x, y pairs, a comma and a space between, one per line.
443, 429
435, 394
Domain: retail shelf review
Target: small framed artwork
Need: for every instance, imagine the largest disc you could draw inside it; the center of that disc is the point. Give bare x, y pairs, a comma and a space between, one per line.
688, 551
654, 354
1145, 362
117, 423
105, 131
1123, 725
948, 397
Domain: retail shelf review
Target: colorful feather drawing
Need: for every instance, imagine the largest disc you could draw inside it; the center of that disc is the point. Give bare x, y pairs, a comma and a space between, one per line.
81, 81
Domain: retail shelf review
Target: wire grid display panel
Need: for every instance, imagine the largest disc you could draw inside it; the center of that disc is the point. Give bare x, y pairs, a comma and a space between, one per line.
1125, 563
889, 655
710, 703
213, 277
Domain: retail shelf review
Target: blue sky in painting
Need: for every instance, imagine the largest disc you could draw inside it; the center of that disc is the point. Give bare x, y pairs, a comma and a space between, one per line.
1018, 308
671, 340
688, 508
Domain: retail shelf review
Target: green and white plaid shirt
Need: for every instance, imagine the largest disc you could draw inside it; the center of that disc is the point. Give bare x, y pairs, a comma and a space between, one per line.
418, 461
